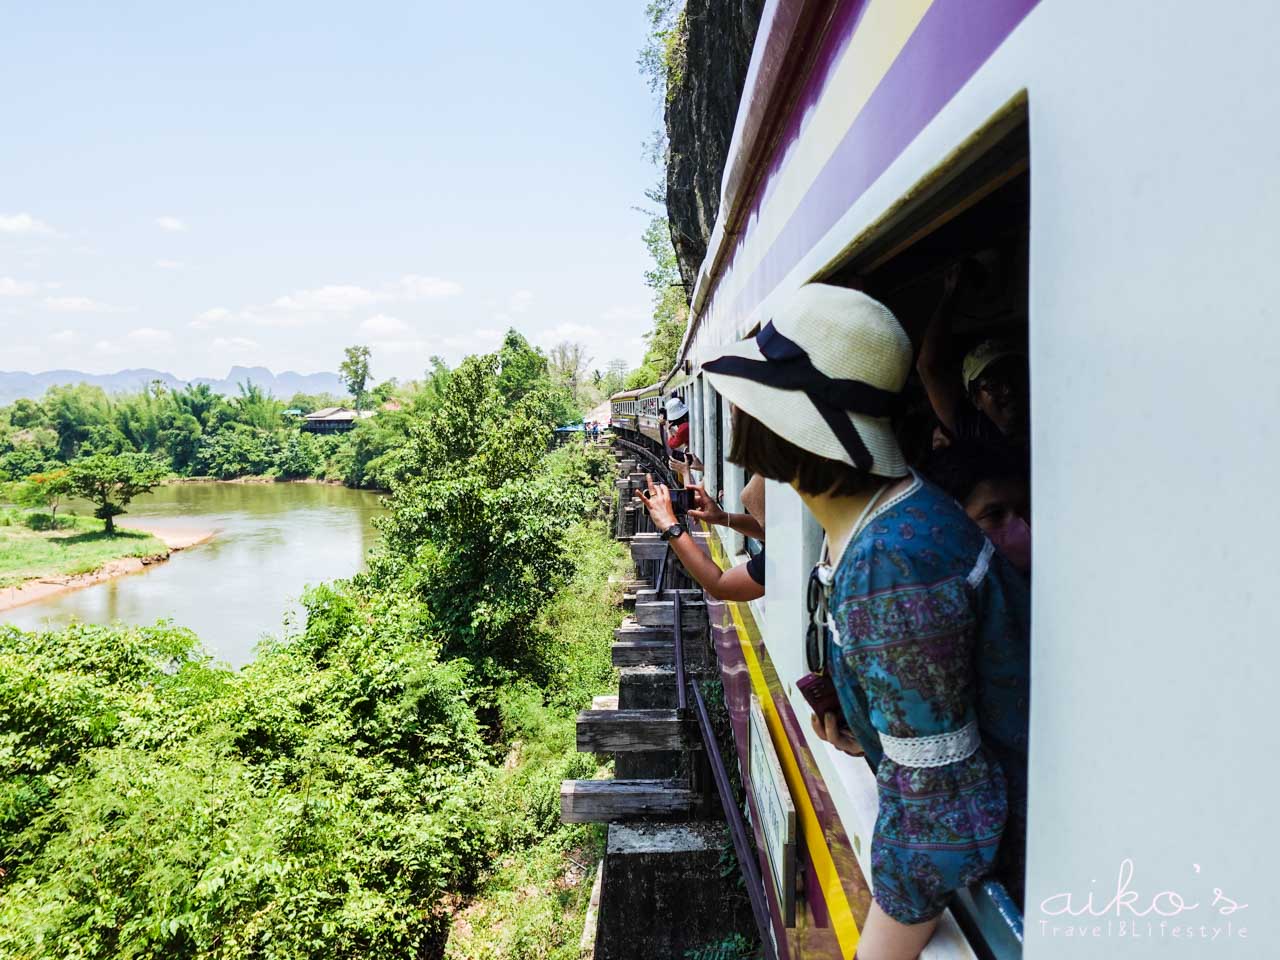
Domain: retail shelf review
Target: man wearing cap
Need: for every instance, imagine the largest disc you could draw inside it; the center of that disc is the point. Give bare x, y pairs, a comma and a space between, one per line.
987, 403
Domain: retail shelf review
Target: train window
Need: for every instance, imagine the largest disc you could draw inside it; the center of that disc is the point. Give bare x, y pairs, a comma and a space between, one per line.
751, 545
718, 427
967, 225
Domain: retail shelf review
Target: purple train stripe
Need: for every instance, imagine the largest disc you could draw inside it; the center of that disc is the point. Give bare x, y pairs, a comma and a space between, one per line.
953, 40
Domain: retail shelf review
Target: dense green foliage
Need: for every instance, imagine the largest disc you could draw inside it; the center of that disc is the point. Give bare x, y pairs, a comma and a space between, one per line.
195, 432
341, 796
670, 309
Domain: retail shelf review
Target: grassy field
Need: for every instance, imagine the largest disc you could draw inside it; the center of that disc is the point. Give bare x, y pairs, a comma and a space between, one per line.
77, 546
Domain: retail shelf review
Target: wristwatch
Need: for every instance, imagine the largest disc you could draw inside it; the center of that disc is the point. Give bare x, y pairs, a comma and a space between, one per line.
673, 531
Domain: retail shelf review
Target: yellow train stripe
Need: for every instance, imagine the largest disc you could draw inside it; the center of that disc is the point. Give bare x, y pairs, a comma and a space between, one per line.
842, 922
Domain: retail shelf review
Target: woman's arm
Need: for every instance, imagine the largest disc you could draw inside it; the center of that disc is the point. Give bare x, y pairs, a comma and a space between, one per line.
711, 511
935, 364
734, 584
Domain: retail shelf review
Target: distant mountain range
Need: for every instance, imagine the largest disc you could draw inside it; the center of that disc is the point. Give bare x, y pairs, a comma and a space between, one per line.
15, 386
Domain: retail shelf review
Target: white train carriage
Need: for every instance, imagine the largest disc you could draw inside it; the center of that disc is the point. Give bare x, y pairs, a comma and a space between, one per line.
1111, 169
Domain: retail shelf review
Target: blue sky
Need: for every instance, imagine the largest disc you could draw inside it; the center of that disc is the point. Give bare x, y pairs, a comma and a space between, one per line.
188, 186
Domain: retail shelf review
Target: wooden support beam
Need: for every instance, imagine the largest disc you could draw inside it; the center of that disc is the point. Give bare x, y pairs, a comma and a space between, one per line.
644, 653
630, 630
647, 546
607, 801
636, 731
650, 595
661, 613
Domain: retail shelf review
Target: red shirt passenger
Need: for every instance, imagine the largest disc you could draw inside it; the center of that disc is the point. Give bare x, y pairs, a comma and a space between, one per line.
679, 436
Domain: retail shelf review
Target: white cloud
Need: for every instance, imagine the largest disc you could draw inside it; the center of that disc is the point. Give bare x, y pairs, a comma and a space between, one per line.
24, 223
171, 224
210, 317
150, 336
65, 337
10, 287
169, 264
489, 336
80, 305
567, 331
332, 297
235, 343
520, 301
627, 315
106, 346
415, 287
275, 317
384, 326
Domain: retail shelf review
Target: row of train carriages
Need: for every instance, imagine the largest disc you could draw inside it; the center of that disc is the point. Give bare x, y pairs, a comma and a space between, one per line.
634, 415
1100, 167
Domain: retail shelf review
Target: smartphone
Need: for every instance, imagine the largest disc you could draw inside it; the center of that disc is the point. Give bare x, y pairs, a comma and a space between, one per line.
820, 693
682, 500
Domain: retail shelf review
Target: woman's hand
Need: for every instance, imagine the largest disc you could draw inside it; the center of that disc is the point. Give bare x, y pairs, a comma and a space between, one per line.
841, 738
658, 503
706, 508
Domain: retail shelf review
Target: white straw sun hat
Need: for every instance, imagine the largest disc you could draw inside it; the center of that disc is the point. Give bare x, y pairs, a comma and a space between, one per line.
675, 409
824, 374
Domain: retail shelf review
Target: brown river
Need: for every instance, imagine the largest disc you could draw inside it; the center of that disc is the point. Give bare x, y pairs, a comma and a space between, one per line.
271, 540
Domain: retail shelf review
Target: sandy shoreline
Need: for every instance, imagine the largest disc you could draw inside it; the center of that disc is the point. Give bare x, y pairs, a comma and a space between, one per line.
41, 588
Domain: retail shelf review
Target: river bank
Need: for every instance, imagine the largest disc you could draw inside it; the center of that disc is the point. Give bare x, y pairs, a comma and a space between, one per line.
273, 541
155, 546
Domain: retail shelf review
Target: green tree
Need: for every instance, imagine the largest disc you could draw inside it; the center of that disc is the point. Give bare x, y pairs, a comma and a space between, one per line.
48, 490
354, 371
77, 413
257, 408
201, 403
112, 480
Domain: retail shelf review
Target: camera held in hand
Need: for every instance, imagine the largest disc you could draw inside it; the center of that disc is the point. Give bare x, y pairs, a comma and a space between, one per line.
681, 499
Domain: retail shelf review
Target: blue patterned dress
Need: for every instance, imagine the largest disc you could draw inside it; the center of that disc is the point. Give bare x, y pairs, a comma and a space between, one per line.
933, 633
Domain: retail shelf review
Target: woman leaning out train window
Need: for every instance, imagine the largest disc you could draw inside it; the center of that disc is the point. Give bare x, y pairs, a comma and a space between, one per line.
929, 647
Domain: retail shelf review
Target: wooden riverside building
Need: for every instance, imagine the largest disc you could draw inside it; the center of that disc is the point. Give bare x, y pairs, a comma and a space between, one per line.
334, 420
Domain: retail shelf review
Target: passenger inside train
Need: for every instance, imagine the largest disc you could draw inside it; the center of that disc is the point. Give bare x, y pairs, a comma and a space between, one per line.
682, 461
939, 696
985, 400
991, 484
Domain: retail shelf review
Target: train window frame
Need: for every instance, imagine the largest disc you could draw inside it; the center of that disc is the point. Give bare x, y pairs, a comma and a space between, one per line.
989, 160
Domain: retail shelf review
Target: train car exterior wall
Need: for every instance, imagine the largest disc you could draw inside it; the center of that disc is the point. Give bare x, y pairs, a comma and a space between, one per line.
1152, 269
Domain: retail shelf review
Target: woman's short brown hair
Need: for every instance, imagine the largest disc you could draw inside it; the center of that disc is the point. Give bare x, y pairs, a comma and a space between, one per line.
760, 450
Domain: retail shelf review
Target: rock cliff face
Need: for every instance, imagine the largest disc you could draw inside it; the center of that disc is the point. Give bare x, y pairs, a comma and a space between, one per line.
702, 104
